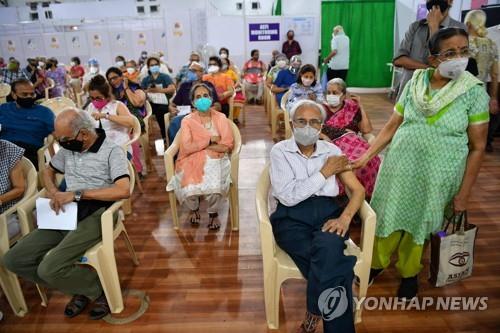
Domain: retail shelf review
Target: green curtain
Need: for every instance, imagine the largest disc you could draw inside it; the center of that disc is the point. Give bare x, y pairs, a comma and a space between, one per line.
277, 8
370, 27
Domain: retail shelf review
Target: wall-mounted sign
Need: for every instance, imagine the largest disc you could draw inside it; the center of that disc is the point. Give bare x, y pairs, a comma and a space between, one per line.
263, 32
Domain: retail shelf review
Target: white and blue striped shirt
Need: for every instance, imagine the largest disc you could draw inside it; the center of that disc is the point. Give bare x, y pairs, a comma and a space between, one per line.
295, 177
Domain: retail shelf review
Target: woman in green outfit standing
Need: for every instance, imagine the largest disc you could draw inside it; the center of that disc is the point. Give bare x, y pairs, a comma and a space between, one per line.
438, 135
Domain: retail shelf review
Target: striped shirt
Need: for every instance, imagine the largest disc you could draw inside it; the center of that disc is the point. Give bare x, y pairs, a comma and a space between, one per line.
295, 177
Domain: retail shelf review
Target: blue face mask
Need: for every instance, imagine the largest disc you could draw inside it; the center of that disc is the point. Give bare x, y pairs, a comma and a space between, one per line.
203, 104
191, 76
154, 69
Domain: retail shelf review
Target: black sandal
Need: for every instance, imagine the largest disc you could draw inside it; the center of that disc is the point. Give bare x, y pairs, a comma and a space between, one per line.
196, 218
212, 225
77, 304
101, 308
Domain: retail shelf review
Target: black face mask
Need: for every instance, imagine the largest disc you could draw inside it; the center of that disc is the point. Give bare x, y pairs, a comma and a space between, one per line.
443, 5
26, 102
73, 144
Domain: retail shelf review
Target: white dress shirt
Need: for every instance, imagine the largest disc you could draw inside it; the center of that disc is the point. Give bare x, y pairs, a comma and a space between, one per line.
295, 177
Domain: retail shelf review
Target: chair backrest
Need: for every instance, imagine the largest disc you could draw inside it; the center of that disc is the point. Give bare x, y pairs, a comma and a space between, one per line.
149, 112
5, 90
135, 132
267, 242
58, 104
51, 85
284, 99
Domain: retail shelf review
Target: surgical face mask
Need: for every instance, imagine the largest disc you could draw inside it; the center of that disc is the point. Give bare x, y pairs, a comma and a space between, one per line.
203, 104
144, 55
281, 63
94, 70
213, 69
119, 64
223, 55
12, 66
333, 100
453, 68
442, 4
306, 136
191, 76
26, 102
307, 82
73, 144
72, 64
130, 70
99, 104
154, 69
162, 59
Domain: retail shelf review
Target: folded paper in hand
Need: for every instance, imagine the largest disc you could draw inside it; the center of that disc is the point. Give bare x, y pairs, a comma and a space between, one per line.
47, 218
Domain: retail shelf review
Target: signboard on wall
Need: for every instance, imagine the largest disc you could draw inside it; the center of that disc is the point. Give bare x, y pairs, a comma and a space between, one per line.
55, 44
76, 43
302, 26
263, 32
33, 46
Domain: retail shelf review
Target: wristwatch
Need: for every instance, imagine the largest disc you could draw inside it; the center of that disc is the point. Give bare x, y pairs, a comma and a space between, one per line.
107, 115
78, 195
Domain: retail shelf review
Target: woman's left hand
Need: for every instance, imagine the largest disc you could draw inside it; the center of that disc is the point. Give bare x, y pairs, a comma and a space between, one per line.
459, 203
96, 115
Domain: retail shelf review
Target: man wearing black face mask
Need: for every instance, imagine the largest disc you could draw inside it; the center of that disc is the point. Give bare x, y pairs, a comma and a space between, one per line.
414, 50
23, 122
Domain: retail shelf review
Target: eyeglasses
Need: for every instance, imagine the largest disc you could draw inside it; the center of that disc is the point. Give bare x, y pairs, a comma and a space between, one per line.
113, 78
200, 96
464, 53
96, 98
65, 139
301, 123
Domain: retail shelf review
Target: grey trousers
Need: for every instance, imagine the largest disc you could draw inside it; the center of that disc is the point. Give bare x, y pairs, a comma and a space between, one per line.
214, 200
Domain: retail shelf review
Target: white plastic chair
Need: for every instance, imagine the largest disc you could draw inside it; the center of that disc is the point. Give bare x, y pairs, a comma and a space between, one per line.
234, 210
144, 138
50, 86
286, 115
5, 90
58, 104
8, 280
279, 267
102, 255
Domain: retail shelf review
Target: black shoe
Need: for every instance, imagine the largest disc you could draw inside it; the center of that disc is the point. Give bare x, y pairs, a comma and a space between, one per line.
489, 148
374, 272
408, 288
101, 308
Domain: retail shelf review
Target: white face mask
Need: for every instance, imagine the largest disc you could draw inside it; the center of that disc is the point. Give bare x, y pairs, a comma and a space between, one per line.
333, 100
307, 82
93, 69
306, 136
162, 59
41, 64
213, 69
453, 68
72, 63
119, 64
130, 70
281, 63
223, 55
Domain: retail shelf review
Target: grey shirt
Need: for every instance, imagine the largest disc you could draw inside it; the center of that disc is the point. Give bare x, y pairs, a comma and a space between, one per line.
415, 45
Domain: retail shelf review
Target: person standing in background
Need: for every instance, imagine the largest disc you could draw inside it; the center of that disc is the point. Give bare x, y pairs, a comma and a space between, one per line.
413, 51
291, 47
485, 52
338, 59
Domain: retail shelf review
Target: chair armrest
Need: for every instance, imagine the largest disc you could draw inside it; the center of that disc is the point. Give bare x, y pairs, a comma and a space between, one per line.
168, 158
107, 225
24, 212
369, 222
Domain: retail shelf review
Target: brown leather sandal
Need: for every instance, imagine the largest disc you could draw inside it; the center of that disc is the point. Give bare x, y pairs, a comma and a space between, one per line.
77, 304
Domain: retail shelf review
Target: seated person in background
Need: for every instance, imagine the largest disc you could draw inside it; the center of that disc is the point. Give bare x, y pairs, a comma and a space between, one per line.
12, 72
203, 167
132, 74
94, 70
96, 174
306, 87
253, 77
76, 74
347, 118
120, 63
224, 54
184, 71
272, 74
36, 74
183, 98
164, 68
223, 84
59, 75
12, 184
308, 224
158, 86
25, 123
286, 78
238, 95
109, 114
274, 54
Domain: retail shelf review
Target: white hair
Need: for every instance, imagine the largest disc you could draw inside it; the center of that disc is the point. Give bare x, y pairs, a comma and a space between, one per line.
195, 63
338, 81
338, 29
477, 19
307, 103
80, 120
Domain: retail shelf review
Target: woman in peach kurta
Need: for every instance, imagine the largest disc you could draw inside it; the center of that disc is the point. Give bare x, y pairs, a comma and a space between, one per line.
203, 167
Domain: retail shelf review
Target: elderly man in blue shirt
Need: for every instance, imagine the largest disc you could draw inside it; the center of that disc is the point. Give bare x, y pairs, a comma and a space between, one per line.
308, 224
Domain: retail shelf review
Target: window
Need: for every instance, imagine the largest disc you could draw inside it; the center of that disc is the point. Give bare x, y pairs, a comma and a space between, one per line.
34, 16
239, 6
153, 9
255, 5
140, 0
33, 5
140, 9
45, 4
48, 14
